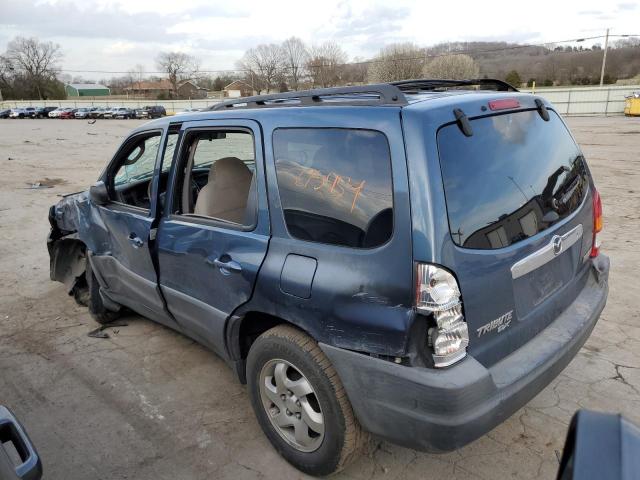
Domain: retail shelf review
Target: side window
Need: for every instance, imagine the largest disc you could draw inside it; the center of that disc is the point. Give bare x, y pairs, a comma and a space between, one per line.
133, 172
335, 185
218, 179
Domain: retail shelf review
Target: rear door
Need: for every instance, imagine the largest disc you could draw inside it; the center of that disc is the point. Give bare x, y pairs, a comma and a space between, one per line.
214, 235
519, 209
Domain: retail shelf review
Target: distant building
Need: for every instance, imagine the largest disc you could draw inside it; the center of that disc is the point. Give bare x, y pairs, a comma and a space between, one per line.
163, 88
86, 90
238, 89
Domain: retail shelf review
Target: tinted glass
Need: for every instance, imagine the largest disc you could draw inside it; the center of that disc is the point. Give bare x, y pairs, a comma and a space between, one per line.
335, 185
514, 177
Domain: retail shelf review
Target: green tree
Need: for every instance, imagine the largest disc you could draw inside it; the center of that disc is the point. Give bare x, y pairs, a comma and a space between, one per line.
513, 77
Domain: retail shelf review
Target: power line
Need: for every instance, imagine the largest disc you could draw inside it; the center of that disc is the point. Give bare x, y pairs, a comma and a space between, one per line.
374, 61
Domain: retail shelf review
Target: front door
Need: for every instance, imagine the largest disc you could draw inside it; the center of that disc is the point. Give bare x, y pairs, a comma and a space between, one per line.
215, 232
119, 233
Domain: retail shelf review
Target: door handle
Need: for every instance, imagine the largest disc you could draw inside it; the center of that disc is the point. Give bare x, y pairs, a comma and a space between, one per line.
225, 264
135, 240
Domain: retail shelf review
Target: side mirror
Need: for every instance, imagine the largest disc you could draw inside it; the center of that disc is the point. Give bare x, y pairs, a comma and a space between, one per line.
600, 446
98, 193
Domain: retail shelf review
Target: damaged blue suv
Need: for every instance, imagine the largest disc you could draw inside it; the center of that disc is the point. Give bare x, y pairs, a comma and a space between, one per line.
414, 260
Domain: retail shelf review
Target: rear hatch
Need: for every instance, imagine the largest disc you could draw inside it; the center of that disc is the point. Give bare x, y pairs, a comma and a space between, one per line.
518, 196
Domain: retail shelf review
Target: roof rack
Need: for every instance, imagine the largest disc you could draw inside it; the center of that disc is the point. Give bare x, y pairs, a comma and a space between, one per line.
376, 94
421, 85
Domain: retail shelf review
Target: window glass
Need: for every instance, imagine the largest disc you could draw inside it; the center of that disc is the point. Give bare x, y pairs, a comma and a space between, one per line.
131, 183
219, 180
514, 177
139, 162
335, 185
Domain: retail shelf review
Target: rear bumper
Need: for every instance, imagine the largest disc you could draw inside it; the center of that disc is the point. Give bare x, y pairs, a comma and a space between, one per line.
441, 410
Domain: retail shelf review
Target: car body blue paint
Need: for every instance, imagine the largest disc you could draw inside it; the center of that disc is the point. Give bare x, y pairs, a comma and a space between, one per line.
358, 299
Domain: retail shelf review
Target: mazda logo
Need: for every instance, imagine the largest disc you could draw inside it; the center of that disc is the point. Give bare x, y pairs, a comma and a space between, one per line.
557, 244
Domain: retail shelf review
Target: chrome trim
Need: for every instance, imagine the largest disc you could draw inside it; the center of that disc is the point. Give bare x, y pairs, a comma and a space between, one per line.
557, 245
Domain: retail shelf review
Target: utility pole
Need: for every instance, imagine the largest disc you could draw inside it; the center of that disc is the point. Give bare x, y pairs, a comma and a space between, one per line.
604, 57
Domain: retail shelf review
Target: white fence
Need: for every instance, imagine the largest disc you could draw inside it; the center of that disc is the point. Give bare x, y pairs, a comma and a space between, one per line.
607, 100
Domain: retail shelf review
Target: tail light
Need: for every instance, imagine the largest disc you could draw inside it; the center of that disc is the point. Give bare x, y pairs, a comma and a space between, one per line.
597, 223
438, 294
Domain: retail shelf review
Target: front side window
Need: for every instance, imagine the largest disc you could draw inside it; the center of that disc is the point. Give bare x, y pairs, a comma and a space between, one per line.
335, 185
133, 172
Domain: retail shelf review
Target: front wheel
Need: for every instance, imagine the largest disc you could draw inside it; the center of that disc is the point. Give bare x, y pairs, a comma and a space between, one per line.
300, 402
97, 309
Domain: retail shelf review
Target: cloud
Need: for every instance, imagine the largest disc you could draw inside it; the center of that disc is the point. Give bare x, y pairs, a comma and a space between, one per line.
369, 28
67, 18
627, 6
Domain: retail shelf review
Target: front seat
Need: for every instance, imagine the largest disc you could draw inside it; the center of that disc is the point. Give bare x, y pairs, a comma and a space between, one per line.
226, 192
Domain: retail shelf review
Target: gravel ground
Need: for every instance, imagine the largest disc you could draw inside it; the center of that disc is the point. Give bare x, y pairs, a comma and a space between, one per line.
148, 403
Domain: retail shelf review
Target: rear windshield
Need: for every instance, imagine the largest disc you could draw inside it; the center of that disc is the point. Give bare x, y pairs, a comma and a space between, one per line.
514, 177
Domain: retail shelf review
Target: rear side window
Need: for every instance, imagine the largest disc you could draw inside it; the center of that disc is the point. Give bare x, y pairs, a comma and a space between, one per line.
335, 185
514, 177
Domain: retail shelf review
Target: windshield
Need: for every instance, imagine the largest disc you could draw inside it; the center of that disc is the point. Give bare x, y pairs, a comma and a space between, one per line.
514, 177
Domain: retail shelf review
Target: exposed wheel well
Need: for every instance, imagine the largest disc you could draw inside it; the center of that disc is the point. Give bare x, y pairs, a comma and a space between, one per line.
251, 326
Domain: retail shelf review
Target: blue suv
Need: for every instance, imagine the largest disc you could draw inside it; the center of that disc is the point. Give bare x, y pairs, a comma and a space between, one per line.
413, 260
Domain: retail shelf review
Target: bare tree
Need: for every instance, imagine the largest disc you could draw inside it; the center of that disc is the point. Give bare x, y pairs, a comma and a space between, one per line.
34, 60
452, 67
264, 66
400, 61
295, 56
179, 68
325, 64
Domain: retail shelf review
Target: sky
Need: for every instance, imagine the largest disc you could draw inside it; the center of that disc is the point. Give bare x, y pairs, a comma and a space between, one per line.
115, 35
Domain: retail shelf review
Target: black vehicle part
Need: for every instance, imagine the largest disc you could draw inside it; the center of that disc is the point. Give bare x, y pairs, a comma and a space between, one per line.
343, 437
376, 94
600, 446
12, 432
67, 265
542, 110
420, 85
97, 305
463, 122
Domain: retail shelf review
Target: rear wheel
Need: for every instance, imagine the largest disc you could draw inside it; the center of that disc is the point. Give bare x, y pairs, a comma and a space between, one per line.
97, 309
300, 402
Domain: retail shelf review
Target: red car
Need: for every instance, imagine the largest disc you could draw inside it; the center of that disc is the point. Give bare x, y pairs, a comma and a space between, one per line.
68, 113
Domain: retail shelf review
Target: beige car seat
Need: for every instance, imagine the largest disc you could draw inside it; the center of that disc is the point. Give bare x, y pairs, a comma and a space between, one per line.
226, 192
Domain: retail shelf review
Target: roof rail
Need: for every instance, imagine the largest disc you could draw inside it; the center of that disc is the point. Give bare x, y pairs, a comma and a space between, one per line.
376, 94
420, 85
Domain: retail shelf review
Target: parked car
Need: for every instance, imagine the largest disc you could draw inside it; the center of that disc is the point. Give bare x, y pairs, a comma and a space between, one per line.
18, 113
124, 113
56, 112
155, 111
5, 113
68, 113
110, 112
43, 112
84, 112
417, 262
97, 112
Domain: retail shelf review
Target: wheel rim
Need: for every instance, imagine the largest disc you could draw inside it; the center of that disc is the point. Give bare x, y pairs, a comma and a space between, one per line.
292, 405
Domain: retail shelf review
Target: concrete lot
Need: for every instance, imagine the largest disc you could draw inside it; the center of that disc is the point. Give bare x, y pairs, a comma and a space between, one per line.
148, 403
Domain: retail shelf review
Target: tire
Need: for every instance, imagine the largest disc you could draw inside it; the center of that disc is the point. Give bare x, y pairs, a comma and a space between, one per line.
96, 307
286, 353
